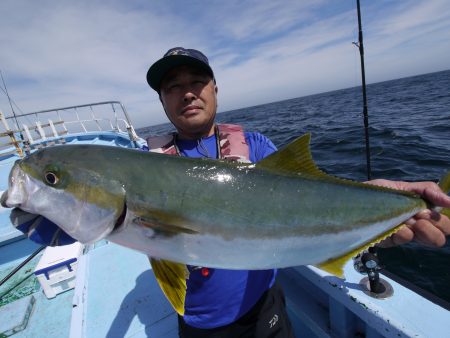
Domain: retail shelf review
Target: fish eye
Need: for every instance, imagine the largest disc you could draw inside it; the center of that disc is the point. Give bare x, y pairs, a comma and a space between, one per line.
51, 178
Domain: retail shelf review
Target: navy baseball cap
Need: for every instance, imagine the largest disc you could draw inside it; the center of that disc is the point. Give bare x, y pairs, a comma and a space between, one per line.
176, 57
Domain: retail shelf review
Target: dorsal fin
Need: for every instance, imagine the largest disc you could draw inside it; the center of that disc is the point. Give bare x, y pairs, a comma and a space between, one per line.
293, 159
296, 159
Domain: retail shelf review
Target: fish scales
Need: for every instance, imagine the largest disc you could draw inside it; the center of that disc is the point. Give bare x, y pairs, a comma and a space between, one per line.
202, 191
207, 212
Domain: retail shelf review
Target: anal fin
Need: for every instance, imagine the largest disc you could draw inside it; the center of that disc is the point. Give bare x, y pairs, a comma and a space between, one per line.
171, 278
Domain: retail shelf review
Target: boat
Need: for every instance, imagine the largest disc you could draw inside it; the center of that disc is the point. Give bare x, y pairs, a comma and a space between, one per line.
105, 290
55, 292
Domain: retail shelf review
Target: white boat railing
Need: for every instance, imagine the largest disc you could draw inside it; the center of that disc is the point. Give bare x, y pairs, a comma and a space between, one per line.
55, 125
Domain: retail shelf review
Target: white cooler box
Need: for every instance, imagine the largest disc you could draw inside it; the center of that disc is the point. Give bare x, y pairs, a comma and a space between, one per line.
57, 267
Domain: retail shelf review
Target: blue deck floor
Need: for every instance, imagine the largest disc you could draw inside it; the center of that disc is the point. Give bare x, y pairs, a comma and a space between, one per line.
48, 317
122, 297
117, 296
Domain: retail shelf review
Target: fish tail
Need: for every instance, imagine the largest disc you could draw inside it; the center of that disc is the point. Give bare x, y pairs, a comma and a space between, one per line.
336, 265
444, 184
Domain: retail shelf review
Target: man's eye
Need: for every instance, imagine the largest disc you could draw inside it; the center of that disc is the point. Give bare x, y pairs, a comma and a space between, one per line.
173, 86
199, 82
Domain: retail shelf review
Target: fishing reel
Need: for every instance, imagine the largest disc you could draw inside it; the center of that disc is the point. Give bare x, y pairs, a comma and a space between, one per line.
374, 286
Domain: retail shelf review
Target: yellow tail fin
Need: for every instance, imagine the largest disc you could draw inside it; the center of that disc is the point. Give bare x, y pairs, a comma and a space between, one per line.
335, 266
444, 184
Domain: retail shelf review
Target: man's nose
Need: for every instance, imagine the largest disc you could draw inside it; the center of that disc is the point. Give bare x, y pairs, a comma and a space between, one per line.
189, 96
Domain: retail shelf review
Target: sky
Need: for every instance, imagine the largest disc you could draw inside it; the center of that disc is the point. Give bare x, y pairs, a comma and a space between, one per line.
62, 53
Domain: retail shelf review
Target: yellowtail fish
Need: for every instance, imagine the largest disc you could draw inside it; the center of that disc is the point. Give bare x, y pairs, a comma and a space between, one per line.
280, 212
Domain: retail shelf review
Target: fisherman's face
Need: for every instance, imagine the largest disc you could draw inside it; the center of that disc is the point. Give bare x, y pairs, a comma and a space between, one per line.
189, 97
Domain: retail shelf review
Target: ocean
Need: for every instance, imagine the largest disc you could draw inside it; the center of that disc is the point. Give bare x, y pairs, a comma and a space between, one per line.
409, 128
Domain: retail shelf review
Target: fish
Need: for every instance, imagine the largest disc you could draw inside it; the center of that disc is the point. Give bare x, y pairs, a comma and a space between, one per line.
280, 212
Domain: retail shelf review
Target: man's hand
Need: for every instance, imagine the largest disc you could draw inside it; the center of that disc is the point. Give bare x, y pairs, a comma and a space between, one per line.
428, 227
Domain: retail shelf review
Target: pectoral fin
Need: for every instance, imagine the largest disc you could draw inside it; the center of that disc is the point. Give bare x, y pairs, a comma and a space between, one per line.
164, 224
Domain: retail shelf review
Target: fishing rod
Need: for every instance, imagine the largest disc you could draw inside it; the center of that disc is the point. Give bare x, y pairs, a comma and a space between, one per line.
360, 46
12, 108
9, 98
21, 265
369, 261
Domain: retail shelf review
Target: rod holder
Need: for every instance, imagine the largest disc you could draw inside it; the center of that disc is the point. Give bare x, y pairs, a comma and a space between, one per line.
373, 285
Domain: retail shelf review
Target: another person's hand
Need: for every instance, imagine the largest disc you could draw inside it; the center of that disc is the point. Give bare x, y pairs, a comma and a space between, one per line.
36, 227
428, 227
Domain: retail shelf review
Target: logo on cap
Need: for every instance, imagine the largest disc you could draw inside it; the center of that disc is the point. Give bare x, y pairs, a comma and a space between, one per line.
177, 51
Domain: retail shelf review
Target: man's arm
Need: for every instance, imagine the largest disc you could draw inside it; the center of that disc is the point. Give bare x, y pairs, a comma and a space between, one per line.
259, 146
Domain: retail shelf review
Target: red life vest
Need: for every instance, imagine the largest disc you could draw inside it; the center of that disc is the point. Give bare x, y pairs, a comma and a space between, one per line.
231, 141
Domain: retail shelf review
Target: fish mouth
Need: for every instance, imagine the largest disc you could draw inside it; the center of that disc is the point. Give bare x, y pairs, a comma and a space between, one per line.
30, 195
16, 194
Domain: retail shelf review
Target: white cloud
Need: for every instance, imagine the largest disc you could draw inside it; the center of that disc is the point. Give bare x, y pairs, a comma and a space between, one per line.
251, 20
66, 52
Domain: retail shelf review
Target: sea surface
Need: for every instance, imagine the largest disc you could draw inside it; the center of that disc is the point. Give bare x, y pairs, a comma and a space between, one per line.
409, 128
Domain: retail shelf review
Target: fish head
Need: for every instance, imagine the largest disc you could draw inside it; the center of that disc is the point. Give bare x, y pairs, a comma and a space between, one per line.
84, 202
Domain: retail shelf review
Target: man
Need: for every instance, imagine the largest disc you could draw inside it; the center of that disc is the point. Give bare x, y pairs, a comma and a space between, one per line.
218, 303
229, 303
188, 92
192, 111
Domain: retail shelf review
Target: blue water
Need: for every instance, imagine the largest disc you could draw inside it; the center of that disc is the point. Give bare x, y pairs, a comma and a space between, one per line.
409, 139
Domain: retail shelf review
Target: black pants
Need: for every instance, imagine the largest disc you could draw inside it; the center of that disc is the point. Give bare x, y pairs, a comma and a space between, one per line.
268, 318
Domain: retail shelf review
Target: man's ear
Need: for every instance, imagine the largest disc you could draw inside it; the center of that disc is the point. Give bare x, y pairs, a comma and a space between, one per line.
216, 89
164, 107
162, 102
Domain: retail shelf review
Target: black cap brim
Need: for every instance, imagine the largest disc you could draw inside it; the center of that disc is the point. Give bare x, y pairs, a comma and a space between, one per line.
161, 67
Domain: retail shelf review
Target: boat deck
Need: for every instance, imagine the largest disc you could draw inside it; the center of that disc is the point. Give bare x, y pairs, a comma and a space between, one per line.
24, 309
118, 296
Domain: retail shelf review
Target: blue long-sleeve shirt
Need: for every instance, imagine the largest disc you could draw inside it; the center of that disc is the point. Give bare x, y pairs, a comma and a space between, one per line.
219, 297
